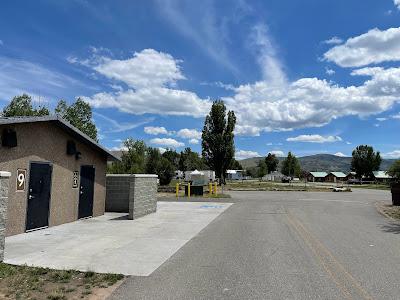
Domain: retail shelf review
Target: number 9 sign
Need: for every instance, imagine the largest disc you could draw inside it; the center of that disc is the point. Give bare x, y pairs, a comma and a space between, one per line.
21, 180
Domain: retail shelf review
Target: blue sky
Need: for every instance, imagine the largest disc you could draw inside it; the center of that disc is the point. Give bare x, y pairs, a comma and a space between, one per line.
305, 76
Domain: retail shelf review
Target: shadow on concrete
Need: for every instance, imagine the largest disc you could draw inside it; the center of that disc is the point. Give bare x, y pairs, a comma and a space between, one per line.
121, 218
391, 228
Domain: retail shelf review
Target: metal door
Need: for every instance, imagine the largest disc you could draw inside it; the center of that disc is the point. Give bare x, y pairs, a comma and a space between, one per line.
39, 196
86, 191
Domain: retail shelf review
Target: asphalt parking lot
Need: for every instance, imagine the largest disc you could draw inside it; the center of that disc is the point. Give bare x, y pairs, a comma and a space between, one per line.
284, 245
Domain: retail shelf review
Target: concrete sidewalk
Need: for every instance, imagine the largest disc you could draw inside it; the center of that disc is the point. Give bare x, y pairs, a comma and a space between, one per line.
112, 243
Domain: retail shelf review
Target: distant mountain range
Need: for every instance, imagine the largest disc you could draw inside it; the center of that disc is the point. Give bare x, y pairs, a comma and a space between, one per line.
318, 162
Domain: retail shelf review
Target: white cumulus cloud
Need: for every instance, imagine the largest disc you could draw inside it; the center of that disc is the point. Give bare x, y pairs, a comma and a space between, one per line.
397, 3
392, 154
189, 133
315, 138
243, 154
147, 68
375, 46
167, 142
151, 77
312, 102
193, 141
154, 130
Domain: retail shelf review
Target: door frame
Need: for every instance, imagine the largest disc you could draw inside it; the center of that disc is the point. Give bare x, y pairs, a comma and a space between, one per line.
79, 189
27, 193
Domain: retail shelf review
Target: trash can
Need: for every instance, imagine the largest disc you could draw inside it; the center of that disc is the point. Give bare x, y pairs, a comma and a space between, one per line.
396, 194
196, 190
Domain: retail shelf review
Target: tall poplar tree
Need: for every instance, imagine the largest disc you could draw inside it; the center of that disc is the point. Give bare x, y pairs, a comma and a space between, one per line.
218, 146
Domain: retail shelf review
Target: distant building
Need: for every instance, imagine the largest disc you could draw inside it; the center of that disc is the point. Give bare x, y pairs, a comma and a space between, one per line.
382, 176
234, 174
335, 177
274, 176
351, 176
317, 176
208, 175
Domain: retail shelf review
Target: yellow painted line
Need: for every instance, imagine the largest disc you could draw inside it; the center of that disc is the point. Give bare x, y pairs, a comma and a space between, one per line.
332, 266
342, 288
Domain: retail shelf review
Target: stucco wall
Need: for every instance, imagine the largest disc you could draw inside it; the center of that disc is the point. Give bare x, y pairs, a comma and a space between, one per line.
46, 142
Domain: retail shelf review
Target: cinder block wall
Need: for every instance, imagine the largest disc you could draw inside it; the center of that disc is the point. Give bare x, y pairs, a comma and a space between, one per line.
4, 176
143, 195
135, 194
117, 193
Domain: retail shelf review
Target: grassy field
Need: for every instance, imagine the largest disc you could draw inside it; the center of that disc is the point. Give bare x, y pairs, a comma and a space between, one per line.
255, 185
384, 187
22, 282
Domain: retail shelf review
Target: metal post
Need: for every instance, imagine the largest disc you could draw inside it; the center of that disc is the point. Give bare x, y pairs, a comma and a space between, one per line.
215, 189
189, 190
210, 188
177, 190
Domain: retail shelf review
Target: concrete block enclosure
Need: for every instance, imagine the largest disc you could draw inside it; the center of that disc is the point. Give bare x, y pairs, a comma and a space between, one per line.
58, 174
135, 194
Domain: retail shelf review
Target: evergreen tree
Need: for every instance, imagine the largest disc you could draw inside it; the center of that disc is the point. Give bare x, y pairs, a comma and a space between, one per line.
272, 162
291, 166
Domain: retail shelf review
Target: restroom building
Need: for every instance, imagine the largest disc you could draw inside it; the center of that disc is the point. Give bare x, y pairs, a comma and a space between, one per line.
58, 174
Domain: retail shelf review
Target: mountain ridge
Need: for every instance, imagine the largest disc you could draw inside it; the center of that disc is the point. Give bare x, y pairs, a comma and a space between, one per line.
318, 162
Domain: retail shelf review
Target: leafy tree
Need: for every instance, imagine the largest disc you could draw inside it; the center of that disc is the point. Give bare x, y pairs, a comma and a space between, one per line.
262, 169
78, 114
157, 164
394, 170
218, 146
235, 165
173, 157
190, 161
21, 106
252, 172
165, 171
133, 160
365, 161
152, 160
291, 166
272, 162
138, 158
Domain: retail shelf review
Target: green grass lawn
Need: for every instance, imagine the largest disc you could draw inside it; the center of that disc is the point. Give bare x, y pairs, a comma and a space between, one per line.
22, 282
